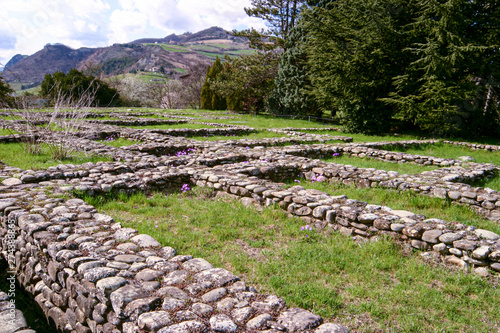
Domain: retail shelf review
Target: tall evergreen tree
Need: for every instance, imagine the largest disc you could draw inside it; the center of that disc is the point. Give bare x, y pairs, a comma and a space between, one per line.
211, 99
292, 84
6, 99
248, 80
354, 51
218, 101
206, 92
280, 16
451, 86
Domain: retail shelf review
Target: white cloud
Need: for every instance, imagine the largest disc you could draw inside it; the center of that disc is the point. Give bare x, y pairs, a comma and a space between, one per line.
30, 24
124, 23
88, 8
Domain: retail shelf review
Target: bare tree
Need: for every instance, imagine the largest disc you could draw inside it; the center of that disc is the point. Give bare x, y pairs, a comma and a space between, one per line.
54, 131
192, 82
172, 96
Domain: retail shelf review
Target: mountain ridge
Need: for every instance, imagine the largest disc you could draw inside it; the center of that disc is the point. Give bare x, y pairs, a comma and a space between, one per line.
171, 54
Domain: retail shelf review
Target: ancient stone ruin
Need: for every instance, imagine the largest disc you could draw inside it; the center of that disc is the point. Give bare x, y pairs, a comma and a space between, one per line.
87, 273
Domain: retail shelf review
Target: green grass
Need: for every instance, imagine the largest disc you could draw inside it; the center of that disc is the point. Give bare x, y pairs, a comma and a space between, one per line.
403, 168
493, 183
367, 138
180, 70
452, 151
120, 142
6, 131
13, 154
251, 136
174, 126
11, 117
365, 286
265, 122
407, 200
169, 47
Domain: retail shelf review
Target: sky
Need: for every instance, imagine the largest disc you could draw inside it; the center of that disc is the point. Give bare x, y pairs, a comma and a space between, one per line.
27, 25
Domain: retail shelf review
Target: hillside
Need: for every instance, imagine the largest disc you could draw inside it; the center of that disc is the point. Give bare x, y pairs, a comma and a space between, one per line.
171, 54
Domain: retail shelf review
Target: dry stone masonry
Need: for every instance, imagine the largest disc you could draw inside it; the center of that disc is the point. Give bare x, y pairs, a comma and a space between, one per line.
89, 274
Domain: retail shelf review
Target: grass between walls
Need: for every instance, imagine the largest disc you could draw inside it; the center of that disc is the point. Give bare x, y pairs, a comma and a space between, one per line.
364, 285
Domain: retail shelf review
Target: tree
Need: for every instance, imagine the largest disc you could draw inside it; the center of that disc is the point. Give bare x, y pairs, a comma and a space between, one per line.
281, 17
74, 86
247, 81
206, 91
171, 99
354, 52
210, 98
6, 99
292, 84
432, 64
451, 85
192, 83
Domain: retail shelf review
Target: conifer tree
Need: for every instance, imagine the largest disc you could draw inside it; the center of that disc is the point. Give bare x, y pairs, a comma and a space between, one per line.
210, 98
6, 99
218, 101
206, 92
353, 53
451, 86
292, 84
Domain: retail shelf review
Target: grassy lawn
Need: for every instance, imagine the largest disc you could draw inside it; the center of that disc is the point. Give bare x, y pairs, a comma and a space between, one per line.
14, 154
6, 131
365, 286
119, 142
406, 200
266, 122
403, 168
368, 138
251, 136
493, 183
451, 151
174, 126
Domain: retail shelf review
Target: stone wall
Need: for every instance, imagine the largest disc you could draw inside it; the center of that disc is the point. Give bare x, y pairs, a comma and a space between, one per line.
88, 274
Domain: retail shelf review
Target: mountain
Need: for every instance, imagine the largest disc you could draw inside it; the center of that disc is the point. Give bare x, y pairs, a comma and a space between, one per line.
172, 54
52, 58
15, 59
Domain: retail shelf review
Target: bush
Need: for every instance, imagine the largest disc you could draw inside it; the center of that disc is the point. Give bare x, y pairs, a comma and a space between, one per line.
75, 88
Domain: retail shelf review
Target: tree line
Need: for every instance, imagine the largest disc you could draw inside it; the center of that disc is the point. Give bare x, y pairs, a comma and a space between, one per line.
373, 65
89, 87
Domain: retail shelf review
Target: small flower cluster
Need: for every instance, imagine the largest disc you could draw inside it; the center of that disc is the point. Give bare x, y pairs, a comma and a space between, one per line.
185, 188
317, 178
296, 180
335, 154
111, 138
185, 152
306, 227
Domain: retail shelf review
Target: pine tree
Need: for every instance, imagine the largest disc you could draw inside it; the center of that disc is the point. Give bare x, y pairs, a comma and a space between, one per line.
218, 101
354, 51
210, 98
206, 92
247, 81
6, 99
451, 87
281, 16
293, 84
